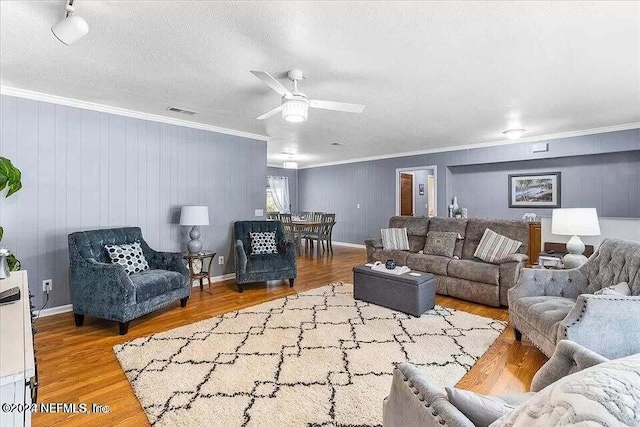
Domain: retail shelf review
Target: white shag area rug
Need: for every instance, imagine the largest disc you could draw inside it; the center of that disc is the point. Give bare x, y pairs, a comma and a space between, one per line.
317, 358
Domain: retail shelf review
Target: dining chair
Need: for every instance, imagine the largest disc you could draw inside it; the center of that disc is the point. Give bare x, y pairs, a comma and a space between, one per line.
305, 215
322, 234
290, 230
273, 216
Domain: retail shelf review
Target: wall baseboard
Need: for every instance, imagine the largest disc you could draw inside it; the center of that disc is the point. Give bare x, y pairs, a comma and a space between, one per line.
215, 279
55, 310
350, 245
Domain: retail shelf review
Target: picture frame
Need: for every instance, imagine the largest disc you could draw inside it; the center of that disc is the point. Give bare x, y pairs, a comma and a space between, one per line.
535, 190
421, 189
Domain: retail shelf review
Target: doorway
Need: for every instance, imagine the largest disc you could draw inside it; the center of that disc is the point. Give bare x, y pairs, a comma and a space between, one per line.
416, 190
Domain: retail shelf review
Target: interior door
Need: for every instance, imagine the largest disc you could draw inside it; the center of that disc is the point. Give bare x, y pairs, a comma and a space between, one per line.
406, 194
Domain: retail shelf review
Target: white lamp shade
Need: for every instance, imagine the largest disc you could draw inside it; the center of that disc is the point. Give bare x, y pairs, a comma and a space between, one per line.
295, 110
575, 222
194, 215
70, 29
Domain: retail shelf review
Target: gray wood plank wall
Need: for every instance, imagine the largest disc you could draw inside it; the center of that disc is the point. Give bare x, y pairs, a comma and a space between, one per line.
85, 170
600, 170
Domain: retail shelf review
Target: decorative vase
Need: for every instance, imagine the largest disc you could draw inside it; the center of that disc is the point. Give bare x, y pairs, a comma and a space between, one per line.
455, 203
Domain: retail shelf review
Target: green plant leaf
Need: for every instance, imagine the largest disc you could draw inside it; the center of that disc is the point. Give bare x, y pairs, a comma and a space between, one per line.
14, 263
10, 176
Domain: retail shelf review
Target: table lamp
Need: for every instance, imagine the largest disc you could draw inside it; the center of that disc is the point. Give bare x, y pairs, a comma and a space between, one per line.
195, 216
574, 222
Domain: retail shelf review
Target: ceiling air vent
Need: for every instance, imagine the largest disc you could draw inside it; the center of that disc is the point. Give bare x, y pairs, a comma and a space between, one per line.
181, 111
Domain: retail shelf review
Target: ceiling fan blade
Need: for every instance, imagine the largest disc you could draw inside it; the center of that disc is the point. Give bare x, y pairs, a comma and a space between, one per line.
337, 106
272, 83
269, 113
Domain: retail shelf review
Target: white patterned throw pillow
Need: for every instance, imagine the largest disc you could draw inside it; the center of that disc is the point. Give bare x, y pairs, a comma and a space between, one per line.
263, 242
129, 255
395, 238
494, 247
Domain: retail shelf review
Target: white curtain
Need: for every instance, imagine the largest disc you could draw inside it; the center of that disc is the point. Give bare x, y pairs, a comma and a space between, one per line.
279, 186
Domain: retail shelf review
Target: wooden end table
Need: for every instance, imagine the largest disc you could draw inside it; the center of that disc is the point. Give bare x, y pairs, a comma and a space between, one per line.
195, 263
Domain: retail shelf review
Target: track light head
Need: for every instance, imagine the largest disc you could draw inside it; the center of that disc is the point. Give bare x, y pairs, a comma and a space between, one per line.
72, 28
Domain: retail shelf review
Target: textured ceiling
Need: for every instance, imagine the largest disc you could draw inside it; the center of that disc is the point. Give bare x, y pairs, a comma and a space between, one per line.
432, 74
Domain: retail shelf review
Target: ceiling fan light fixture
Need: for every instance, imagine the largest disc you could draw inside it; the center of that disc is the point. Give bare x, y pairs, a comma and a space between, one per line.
290, 165
514, 133
295, 110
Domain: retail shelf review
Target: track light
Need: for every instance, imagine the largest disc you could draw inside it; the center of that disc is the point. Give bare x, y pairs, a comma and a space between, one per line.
72, 28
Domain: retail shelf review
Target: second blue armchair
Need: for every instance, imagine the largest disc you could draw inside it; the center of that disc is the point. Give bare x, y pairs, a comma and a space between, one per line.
260, 268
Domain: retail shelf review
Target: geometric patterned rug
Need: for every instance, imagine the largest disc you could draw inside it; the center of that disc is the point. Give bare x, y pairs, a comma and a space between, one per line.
317, 358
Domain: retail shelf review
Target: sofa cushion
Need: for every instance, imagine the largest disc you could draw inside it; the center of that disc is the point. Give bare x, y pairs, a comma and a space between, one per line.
441, 243
494, 247
382, 255
267, 263
516, 230
416, 230
263, 242
475, 271
544, 313
428, 263
129, 256
481, 410
451, 224
153, 283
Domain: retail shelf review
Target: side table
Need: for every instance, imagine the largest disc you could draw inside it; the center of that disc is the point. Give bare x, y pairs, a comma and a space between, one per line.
195, 263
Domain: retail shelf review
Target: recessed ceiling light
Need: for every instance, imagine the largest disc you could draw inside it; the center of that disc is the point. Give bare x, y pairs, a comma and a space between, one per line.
514, 133
72, 28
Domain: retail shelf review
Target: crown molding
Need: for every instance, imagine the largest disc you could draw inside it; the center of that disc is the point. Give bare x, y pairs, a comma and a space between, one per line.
593, 131
76, 103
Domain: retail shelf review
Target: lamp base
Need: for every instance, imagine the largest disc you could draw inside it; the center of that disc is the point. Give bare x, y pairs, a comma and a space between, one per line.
574, 258
195, 245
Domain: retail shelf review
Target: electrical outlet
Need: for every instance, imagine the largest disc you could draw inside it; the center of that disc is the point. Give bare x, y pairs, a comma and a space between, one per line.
47, 285
259, 212
221, 260
358, 206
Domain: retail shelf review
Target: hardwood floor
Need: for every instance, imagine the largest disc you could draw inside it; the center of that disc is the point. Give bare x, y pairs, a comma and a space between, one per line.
78, 364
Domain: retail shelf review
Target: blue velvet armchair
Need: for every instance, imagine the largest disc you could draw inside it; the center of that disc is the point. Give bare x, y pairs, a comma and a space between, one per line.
102, 289
260, 268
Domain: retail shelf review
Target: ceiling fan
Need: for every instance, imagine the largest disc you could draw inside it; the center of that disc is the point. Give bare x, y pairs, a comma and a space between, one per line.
294, 104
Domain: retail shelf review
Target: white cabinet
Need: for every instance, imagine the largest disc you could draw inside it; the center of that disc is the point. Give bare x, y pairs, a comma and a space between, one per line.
17, 364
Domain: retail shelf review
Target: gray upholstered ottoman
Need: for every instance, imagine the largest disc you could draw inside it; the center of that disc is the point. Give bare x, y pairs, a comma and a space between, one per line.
409, 294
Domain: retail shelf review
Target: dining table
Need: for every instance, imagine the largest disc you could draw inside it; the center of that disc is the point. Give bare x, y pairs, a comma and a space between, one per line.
300, 227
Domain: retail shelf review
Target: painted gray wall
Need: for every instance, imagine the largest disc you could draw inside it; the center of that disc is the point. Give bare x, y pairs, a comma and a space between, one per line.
292, 174
608, 182
84, 170
371, 184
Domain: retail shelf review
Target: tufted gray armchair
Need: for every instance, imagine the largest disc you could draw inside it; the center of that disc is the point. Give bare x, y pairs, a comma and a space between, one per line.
551, 305
260, 268
102, 289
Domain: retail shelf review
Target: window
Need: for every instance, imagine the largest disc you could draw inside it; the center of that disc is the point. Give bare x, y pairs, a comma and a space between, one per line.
271, 205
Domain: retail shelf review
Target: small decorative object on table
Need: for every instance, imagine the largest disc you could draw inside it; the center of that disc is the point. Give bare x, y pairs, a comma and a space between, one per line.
458, 213
195, 216
390, 264
529, 217
195, 262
